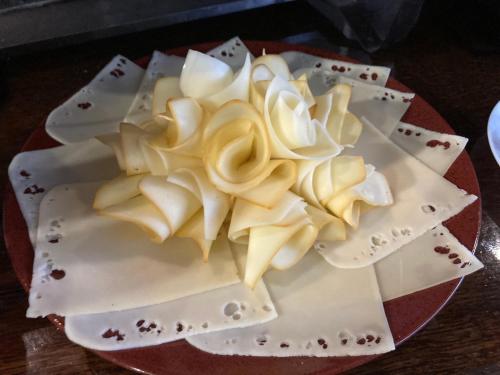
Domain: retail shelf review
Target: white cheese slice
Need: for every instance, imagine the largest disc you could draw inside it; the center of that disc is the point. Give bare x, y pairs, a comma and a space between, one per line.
300, 62
322, 311
223, 308
432, 259
33, 173
422, 200
98, 107
382, 106
159, 66
426, 262
233, 53
85, 263
437, 150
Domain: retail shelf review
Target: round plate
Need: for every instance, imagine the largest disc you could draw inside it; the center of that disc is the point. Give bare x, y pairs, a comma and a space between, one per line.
406, 315
494, 132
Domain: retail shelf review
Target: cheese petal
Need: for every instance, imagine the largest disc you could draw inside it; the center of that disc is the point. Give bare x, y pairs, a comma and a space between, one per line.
117, 190
280, 176
194, 229
289, 210
303, 87
174, 161
237, 155
203, 75
215, 203
373, 190
184, 119
130, 136
156, 164
275, 64
175, 203
330, 228
165, 89
144, 214
318, 181
284, 143
292, 122
264, 243
295, 248
113, 140
239, 88
346, 171
343, 126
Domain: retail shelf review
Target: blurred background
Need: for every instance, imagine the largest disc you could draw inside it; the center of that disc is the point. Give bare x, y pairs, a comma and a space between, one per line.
28, 25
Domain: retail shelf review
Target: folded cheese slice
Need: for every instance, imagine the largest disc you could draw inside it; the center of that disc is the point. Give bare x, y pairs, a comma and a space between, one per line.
293, 133
86, 263
98, 107
323, 311
332, 112
159, 66
422, 199
212, 81
278, 236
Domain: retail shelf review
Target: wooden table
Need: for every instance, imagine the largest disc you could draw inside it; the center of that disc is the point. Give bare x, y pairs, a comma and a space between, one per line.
462, 85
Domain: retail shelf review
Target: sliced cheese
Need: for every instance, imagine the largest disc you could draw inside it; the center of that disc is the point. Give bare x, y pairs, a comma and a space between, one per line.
33, 173
233, 53
87, 263
433, 258
98, 107
415, 188
331, 70
382, 106
234, 306
159, 66
323, 311
436, 150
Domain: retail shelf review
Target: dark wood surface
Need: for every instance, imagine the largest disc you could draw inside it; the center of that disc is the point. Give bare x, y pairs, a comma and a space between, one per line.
461, 83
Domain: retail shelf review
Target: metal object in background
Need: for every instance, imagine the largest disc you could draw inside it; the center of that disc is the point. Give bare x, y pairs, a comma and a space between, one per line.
372, 23
75, 21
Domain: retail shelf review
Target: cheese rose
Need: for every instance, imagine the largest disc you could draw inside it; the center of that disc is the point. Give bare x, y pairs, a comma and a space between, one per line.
237, 156
184, 204
183, 120
160, 147
285, 227
293, 134
372, 191
279, 237
331, 111
341, 185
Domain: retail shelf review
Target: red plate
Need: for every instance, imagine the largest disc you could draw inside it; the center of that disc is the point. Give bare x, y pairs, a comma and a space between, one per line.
406, 315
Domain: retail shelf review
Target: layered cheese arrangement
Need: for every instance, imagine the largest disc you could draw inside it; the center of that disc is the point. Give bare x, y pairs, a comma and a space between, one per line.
252, 205
255, 147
